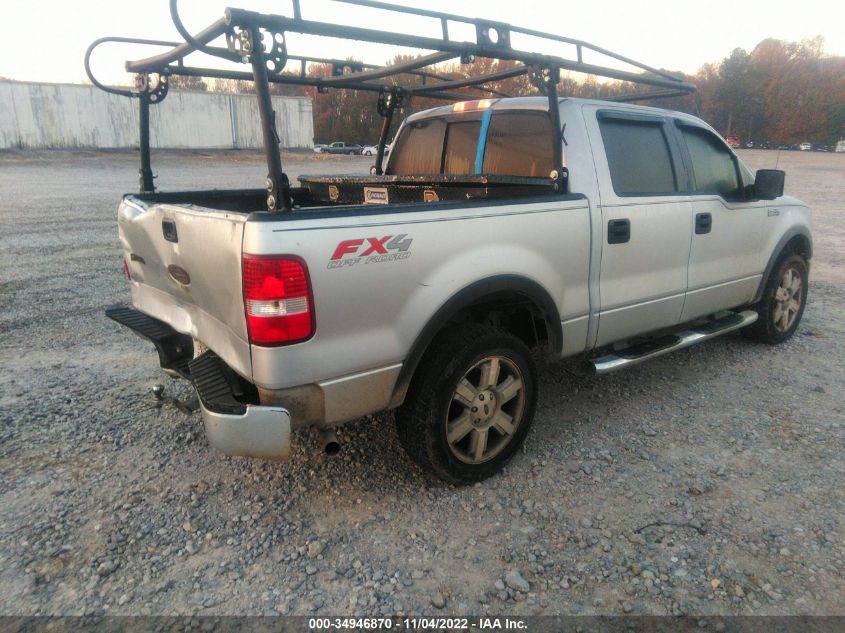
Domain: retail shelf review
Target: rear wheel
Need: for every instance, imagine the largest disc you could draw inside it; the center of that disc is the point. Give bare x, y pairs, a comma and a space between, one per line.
782, 305
470, 405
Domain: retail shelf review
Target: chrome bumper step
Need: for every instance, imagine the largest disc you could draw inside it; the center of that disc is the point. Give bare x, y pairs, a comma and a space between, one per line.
641, 352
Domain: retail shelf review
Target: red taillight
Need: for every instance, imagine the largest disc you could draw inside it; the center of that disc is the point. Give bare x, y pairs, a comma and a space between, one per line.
277, 300
126, 269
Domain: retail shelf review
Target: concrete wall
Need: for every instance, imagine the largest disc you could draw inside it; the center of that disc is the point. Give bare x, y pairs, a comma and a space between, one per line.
34, 115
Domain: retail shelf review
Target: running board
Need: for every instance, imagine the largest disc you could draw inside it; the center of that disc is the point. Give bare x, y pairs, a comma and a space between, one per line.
663, 345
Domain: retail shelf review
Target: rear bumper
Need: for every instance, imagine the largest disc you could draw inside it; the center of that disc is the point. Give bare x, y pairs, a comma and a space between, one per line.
262, 432
242, 419
234, 423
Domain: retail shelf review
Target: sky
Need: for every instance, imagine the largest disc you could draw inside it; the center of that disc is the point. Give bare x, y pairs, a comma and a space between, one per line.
45, 40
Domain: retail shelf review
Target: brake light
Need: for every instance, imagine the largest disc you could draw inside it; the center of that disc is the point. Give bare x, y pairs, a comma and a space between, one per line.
126, 269
277, 300
468, 106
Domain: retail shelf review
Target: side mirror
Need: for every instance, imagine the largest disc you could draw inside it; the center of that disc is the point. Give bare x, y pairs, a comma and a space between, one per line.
768, 184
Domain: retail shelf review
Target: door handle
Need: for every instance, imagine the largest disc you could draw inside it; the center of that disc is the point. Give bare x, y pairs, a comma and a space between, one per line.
703, 223
168, 228
618, 231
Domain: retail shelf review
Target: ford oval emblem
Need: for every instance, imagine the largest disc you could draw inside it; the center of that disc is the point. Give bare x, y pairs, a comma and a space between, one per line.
179, 274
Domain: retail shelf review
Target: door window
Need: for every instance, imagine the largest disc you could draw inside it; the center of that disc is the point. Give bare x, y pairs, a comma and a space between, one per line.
638, 156
712, 163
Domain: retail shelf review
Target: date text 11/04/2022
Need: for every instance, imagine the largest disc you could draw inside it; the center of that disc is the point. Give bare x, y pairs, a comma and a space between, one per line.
421, 623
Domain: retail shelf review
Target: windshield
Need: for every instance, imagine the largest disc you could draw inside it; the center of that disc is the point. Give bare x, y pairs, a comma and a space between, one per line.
490, 142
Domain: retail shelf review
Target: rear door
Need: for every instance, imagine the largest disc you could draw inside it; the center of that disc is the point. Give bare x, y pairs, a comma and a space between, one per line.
646, 229
728, 229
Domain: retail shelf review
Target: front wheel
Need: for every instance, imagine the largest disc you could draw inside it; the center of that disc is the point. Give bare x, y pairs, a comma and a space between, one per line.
782, 305
470, 405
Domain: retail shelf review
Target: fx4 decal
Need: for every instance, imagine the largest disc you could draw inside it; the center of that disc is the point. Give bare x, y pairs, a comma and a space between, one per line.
371, 250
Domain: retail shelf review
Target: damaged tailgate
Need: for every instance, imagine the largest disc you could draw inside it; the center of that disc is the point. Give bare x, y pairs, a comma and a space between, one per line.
185, 268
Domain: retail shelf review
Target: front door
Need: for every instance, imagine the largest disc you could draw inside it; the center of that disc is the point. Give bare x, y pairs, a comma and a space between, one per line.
724, 263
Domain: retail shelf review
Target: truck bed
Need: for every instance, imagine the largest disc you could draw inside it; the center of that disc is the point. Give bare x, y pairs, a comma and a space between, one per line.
318, 192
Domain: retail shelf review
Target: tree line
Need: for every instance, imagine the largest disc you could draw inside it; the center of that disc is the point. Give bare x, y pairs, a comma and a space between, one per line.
779, 93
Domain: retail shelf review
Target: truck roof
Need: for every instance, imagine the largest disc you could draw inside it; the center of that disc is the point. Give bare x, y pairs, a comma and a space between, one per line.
540, 103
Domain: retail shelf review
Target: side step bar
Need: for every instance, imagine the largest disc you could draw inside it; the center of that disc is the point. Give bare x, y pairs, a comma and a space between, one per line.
647, 350
175, 350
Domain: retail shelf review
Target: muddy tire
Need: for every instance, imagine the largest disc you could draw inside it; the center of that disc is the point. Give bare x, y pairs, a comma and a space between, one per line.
470, 404
782, 305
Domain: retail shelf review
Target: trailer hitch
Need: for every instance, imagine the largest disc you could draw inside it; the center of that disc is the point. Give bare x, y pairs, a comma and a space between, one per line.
187, 408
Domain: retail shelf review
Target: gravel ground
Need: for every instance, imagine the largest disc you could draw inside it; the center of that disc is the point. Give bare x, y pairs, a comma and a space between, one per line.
709, 481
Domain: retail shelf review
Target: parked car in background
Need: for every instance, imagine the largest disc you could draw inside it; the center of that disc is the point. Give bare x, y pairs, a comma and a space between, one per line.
805, 146
339, 147
840, 147
372, 150
319, 147
733, 140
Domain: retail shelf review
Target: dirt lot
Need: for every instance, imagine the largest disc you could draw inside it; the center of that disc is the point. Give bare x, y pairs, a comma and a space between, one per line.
711, 481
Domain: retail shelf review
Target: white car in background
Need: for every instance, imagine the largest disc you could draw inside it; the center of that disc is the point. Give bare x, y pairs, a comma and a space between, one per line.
372, 150
805, 146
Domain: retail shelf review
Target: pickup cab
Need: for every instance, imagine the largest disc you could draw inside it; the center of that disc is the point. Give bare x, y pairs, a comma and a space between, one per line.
427, 290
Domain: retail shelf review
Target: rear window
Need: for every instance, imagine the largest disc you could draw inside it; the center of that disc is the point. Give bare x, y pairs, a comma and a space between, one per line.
419, 149
519, 144
461, 147
638, 156
516, 144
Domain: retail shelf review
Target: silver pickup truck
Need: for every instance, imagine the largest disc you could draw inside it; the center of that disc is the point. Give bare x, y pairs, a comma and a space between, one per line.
499, 227
434, 307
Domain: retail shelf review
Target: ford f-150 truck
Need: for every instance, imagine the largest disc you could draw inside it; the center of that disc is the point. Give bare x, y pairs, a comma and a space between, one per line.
499, 227
433, 307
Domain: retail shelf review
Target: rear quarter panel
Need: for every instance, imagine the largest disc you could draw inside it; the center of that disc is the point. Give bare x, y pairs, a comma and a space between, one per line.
369, 312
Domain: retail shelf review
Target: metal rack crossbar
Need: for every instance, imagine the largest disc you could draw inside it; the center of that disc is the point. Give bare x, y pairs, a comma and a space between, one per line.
260, 40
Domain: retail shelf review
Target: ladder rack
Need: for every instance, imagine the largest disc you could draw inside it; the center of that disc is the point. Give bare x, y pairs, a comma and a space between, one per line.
244, 33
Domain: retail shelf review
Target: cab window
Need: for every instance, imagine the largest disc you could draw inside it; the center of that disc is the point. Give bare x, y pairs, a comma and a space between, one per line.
516, 144
461, 144
713, 165
638, 156
519, 144
419, 149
